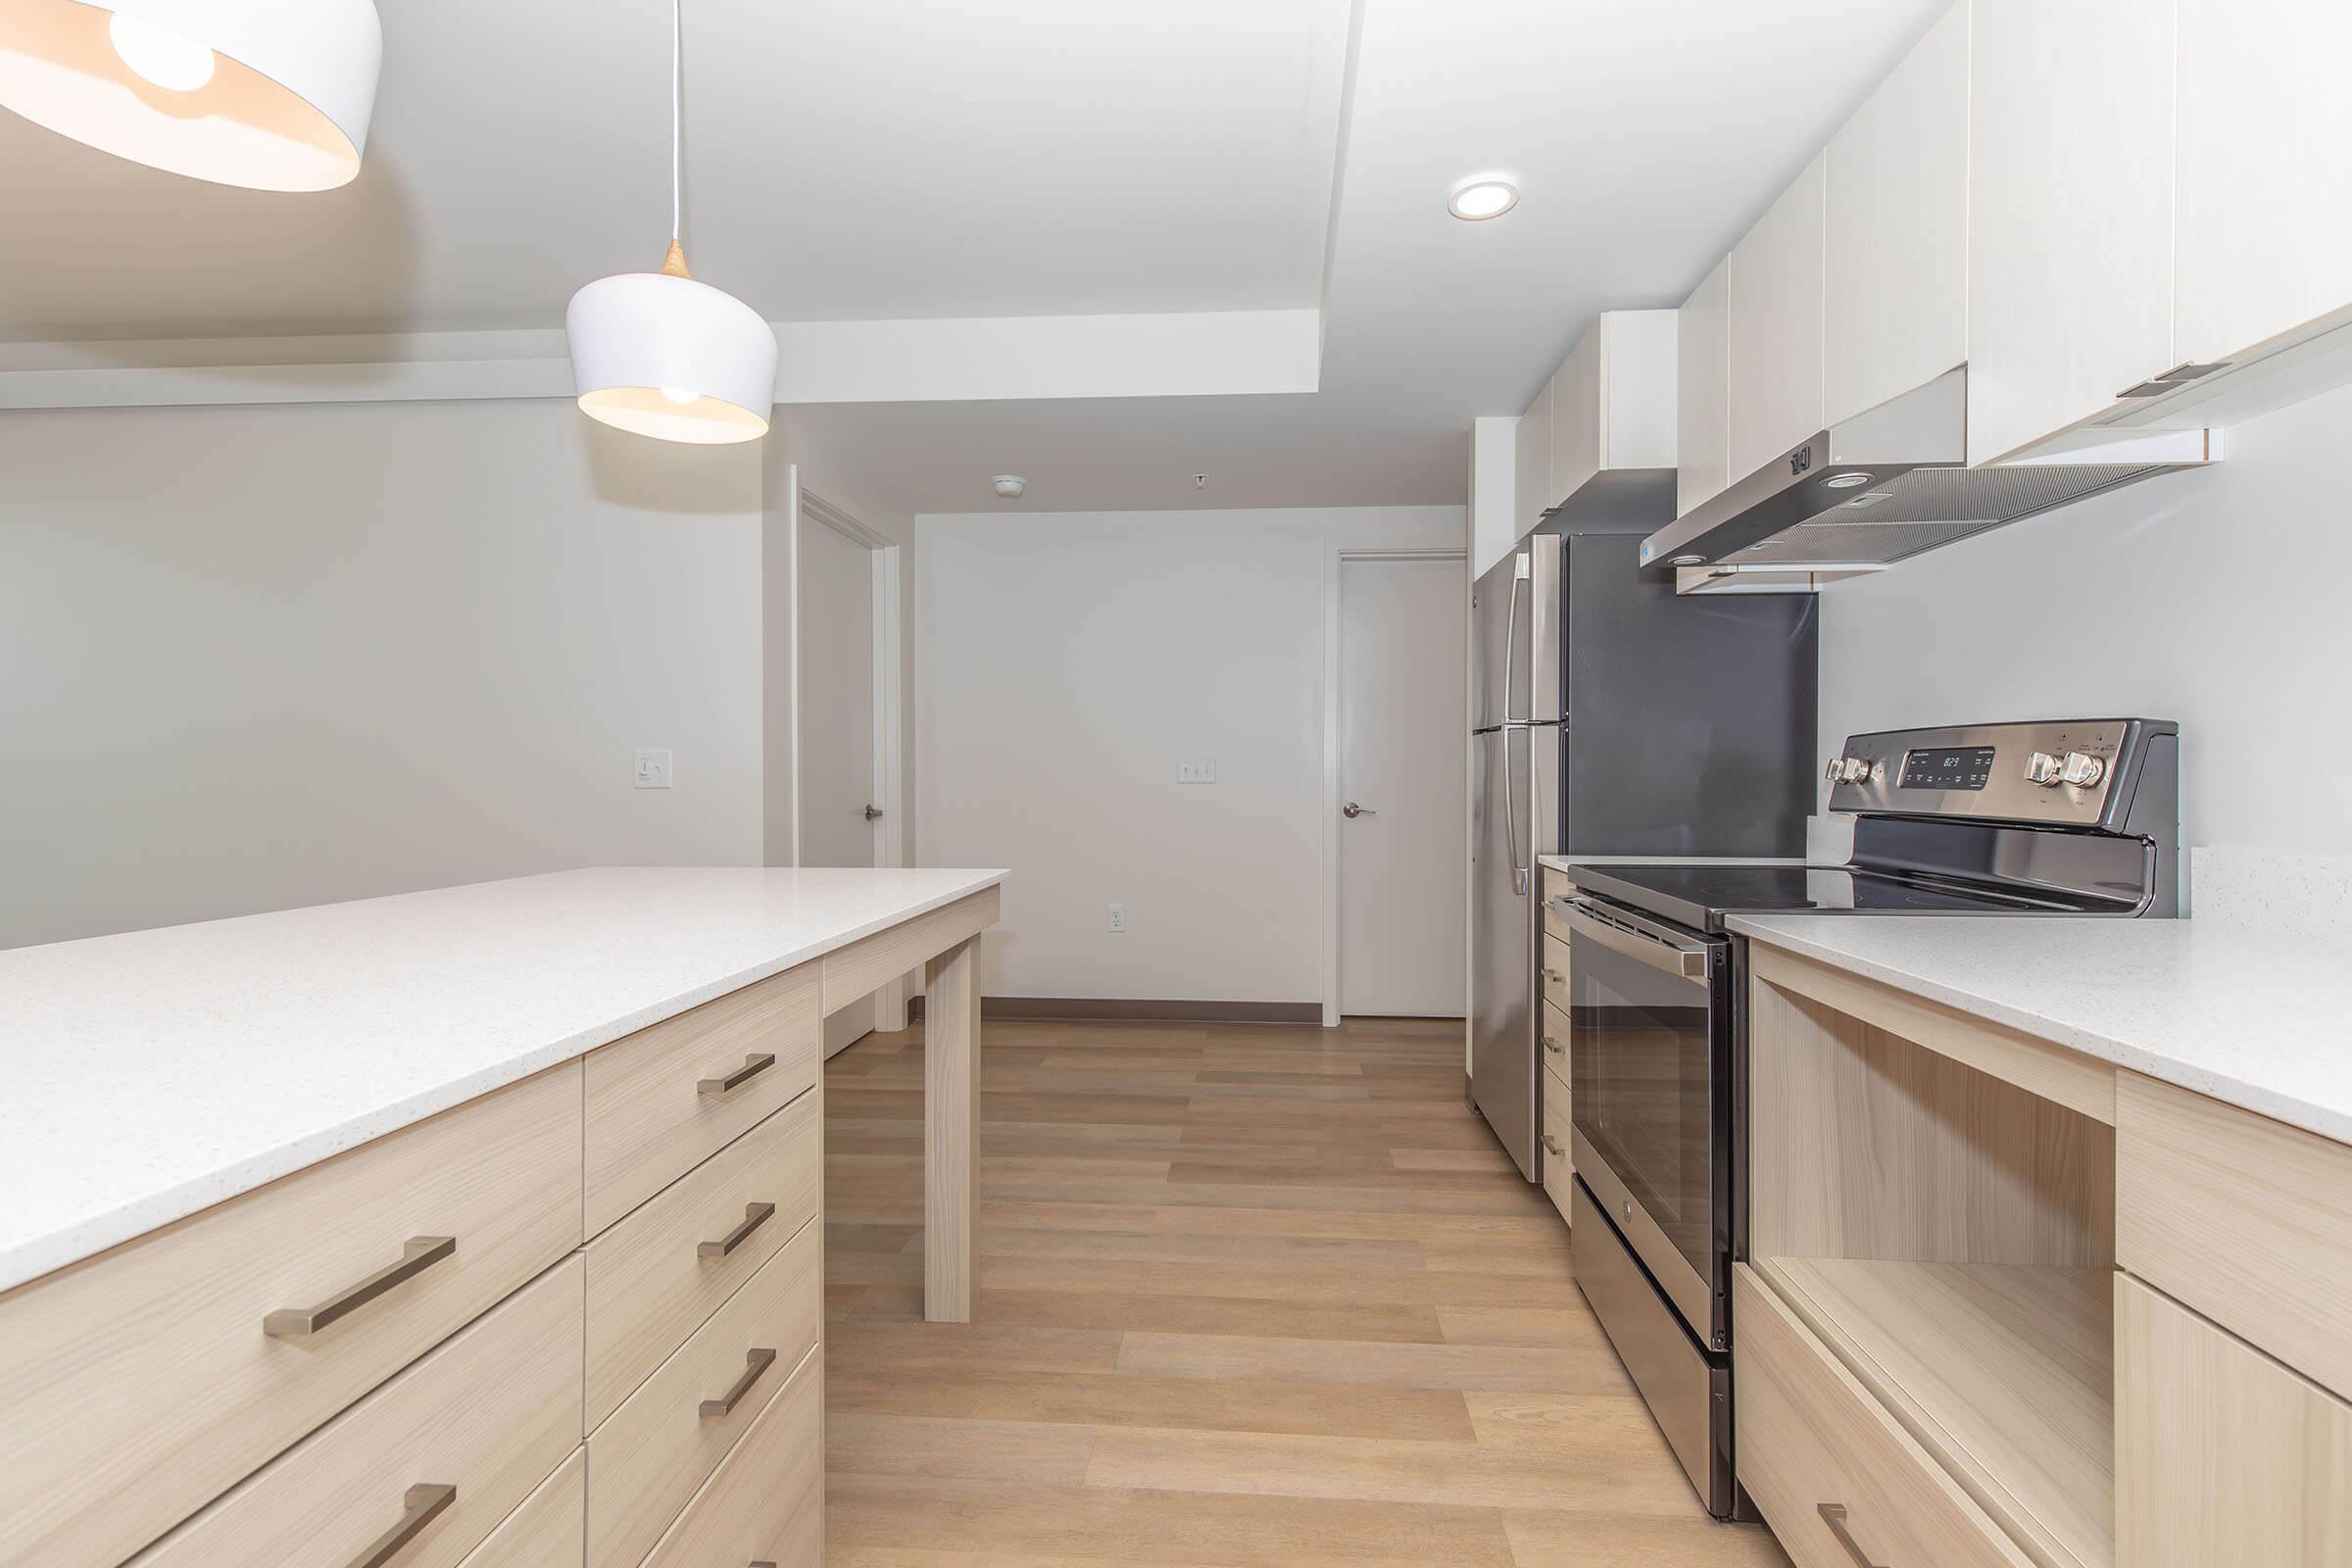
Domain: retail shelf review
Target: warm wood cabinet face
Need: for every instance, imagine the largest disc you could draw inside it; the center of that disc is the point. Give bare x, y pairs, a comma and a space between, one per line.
1895, 252
2265, 197
1702, 368
2224, 1458
2070, 252
1775, 334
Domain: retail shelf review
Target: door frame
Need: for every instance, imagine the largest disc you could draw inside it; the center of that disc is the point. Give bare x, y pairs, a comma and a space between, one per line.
1335, 557
890, 832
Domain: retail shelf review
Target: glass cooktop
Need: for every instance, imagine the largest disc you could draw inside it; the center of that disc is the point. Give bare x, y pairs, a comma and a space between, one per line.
1700, 895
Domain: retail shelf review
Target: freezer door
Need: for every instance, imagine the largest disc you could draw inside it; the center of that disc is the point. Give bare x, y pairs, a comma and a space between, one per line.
1502, 943
1499, 611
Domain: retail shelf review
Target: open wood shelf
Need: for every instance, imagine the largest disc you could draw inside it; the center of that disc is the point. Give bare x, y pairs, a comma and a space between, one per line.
2004, 1372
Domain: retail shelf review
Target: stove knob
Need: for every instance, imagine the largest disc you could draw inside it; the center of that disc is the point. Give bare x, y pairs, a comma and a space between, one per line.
1850, 770
2043, 769
2083, 769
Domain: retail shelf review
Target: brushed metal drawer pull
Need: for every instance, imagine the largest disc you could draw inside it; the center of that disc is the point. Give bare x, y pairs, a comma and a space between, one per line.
1555, 1047
418, 1254
1833, 1515
755, 1215
754, 1362
1555, 977
1554, 1145
424, 1504
752, 1068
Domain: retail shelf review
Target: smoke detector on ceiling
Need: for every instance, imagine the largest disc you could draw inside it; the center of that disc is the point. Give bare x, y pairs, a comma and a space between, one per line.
1009, 485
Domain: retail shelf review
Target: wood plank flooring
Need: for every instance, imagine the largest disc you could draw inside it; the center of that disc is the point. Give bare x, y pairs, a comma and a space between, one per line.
1249, 1295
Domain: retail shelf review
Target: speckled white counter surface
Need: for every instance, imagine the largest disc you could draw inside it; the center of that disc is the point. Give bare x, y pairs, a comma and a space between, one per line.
1564, 863
2259, 1017
155, 1073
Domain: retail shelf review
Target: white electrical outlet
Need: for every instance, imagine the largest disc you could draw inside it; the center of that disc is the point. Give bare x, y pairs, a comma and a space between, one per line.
1197, 771
1118, 917
650, 769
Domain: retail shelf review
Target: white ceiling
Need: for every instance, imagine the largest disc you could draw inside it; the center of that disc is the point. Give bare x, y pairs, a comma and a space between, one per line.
925, 158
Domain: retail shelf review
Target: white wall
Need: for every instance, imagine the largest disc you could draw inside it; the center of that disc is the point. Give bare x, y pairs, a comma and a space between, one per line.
253, 658
2213, 598
1066, 661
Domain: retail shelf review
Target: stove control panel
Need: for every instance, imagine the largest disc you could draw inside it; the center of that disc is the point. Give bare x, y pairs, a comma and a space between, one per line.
2057, 773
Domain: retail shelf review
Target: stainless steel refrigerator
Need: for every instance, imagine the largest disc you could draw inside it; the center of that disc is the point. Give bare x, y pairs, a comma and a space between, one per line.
1610, 717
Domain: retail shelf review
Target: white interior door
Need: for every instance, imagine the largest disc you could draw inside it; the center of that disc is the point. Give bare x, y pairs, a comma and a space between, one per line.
837, 719
1403, 716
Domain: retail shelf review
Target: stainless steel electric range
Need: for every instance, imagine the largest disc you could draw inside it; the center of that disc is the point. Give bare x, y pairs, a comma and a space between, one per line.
2066, 817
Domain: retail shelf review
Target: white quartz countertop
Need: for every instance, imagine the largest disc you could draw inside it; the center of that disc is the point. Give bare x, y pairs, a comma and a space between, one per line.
156, 1073
1566, 863
2261, 1019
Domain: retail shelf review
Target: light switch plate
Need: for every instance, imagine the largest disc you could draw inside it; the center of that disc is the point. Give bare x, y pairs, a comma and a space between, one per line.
1197, 771
650, 768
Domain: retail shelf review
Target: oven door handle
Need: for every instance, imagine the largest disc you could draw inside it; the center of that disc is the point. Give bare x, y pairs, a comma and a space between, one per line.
1671, 957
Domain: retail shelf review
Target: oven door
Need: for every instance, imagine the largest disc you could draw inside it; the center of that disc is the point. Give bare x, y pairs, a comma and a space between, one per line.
1649, 1075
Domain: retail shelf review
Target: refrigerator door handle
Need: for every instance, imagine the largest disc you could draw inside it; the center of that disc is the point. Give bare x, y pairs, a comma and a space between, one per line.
1511, 808
1511, 668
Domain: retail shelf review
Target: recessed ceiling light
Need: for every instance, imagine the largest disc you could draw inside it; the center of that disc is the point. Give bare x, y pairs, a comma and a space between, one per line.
1009, 485
1487, 196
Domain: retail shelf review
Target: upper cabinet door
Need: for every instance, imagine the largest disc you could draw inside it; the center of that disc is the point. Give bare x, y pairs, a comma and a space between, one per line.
1702, 465
1578, 416
1776, 327
2264, 160
2070, 254
1533, 450
1896, 228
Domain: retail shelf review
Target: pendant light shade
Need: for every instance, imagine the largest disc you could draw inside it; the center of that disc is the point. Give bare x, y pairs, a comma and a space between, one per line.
268, 94
663, 356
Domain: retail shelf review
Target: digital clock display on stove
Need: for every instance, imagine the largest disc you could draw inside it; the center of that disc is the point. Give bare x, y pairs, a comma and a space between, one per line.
1947, 767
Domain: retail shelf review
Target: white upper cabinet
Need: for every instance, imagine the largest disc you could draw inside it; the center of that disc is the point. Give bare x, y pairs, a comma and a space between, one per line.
1701, 391
1612, 401
2265, 139
1532, 451
1608, 409
1775, 336
1896, 265
2070, 253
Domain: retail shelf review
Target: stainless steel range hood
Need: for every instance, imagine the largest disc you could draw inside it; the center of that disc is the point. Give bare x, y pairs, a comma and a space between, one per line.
1884, 486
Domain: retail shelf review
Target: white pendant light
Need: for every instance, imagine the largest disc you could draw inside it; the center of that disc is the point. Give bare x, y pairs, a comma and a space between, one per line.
269, 95
663, 356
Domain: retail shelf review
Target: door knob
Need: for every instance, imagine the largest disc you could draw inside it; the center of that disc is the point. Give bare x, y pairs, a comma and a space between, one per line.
1351, 810
873, 814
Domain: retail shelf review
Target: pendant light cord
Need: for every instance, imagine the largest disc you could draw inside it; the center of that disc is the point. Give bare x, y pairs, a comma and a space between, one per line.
677, 121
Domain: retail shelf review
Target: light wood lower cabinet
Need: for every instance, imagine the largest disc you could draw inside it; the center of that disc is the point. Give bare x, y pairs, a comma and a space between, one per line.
1838, 1478
1559, 1168
660, 1273
657, 1448
154, 1367
668, 1096
1552, 973
2224, 1458
436, 1459
766, 1502
549, 1530
2245, 1219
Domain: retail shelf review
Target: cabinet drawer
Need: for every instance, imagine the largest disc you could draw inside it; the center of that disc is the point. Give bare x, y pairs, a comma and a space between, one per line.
549, 1530
138, 1385
1556, 886
1808, 1435
490, 1414
2245, 1219
2223, 1456
1552, 973
650, 1283
665, 1437
1552, 1042
1553, 1148
654, 1105
765, 1502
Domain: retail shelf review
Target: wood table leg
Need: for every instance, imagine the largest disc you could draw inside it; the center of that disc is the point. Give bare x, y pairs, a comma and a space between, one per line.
950, 1131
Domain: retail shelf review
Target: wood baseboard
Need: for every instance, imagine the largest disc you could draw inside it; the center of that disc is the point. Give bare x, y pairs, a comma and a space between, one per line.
1121, 1010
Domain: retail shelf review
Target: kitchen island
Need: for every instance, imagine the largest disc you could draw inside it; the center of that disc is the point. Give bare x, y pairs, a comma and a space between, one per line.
359, 1229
